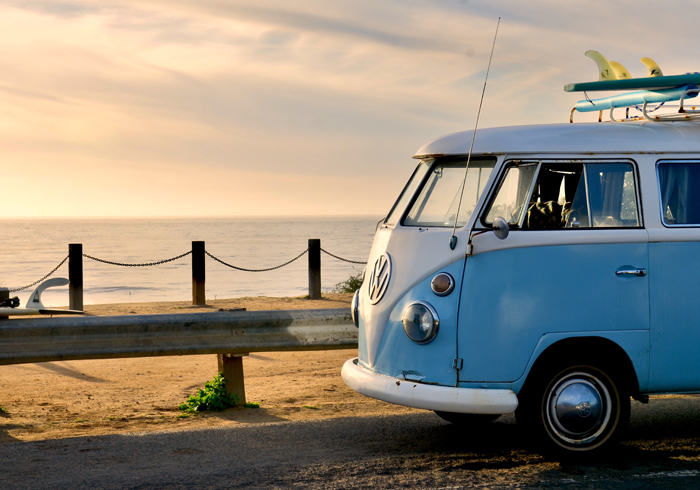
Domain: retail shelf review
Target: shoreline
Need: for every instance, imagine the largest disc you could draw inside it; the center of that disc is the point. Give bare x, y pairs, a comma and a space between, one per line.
250, 303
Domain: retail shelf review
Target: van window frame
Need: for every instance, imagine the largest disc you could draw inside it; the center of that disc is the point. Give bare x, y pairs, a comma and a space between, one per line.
429, 162
483, 213
661, 199
433, 163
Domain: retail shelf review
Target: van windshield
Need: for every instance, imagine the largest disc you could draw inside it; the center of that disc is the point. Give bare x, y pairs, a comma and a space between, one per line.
407, 193
437, 203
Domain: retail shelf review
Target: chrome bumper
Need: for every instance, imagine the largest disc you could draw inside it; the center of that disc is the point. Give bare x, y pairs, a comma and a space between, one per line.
428, 397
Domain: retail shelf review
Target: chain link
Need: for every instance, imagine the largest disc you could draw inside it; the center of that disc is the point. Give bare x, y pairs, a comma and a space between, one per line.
344, 260
257, 270
40, 280
137, 265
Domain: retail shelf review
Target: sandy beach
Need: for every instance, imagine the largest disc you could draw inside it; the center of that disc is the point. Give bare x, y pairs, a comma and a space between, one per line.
57, 400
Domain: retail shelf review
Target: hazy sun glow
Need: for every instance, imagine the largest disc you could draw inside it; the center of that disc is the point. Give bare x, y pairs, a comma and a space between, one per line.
236, 107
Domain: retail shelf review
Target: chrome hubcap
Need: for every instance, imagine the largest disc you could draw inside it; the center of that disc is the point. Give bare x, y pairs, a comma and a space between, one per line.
578, 408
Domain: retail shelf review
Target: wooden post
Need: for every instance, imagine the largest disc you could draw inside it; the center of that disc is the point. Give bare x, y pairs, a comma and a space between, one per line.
314, 268
198, 274
231, 366
4, 294
75, 276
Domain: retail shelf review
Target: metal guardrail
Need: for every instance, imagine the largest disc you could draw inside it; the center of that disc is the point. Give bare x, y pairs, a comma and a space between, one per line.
232, 333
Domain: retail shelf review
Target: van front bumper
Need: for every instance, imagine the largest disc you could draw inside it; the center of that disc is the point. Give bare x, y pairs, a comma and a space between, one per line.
428, 397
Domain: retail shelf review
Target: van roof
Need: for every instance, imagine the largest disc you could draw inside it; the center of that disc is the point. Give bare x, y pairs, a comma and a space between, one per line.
579, 138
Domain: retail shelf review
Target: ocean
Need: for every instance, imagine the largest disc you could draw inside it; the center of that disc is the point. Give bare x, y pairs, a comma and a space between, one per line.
33, 247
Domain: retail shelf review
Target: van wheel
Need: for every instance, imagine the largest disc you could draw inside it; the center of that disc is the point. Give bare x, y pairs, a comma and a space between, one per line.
579, 409
467, 418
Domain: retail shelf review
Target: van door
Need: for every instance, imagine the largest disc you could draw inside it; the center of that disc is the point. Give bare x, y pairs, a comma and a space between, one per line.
673, 255
575, 261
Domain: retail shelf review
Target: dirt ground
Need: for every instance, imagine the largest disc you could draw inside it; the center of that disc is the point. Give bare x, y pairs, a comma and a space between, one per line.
57, 400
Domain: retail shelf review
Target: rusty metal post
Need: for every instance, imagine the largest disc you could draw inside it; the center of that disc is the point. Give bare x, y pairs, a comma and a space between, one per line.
198, 274
4, 294
75, 276
314, 268
231, 366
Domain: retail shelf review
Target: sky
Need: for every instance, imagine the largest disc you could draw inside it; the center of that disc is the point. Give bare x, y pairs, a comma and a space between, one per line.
270, 107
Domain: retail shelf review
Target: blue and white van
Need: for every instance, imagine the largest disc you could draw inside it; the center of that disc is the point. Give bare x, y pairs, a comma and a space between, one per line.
569, 284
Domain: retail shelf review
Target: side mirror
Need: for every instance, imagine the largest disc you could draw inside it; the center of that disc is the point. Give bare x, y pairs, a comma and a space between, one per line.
500, 228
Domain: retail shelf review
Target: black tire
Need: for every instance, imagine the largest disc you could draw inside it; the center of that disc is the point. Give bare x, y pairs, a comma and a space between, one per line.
467, 419
575, 409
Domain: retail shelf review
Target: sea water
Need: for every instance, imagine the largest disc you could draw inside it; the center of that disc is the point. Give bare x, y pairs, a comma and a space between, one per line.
33, 247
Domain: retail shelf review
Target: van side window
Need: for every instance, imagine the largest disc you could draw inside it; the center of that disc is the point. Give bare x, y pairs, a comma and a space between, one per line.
679, 186
611, 195
569, 195
513, 194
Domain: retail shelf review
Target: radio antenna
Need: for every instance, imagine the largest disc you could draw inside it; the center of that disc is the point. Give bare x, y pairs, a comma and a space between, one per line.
453, 238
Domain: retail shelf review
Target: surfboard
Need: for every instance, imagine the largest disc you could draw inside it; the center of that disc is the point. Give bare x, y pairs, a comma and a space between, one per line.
613, 76
34, 304
644, 83
636, 98
5, 311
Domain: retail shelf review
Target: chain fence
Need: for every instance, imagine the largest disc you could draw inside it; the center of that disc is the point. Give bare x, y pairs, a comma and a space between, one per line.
344, 260
165, 261
257, 270
147, 264
40, 280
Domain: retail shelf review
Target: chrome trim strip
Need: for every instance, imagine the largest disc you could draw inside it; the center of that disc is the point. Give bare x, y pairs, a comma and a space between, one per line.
588, 200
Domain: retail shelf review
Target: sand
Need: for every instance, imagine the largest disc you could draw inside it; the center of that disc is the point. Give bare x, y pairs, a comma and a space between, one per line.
57, 400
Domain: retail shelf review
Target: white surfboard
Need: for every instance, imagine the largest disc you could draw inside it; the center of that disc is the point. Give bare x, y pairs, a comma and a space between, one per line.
35, 306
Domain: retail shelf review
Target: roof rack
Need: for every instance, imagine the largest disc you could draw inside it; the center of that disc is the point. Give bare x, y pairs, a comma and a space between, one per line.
656, 88
682, 114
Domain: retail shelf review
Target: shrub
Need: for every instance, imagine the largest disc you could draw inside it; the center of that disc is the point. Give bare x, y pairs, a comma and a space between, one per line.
213, 397
350, 285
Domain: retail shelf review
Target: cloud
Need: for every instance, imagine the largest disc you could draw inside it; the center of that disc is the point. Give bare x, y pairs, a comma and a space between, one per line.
279, 107
58, 9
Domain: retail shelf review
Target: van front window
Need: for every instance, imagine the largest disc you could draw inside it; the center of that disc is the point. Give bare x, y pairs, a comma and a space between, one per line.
407, 193
438, 200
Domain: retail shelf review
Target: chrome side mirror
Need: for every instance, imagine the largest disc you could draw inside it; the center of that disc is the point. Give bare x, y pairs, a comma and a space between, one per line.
500, 228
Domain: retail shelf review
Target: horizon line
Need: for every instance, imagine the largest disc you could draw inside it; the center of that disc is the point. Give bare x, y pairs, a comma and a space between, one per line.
229, 216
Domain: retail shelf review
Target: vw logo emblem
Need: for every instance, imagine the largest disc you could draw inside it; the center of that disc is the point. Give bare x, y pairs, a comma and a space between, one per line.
584, 409
379, 279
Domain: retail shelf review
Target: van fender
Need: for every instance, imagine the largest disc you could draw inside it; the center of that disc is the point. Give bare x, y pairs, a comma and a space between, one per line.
629, 347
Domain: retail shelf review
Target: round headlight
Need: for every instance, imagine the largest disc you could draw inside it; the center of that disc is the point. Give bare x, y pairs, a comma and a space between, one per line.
355, 309
442, 284
420, 322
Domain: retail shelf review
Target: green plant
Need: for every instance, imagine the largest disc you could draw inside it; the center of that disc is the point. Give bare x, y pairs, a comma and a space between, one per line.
2, 410
310, 407
350, 285
213, 397
252, 405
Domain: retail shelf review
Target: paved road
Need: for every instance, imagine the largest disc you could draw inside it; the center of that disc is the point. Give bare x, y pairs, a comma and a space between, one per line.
662, 450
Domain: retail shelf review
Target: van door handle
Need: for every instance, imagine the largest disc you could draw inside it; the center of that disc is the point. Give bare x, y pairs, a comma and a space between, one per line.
636, 272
